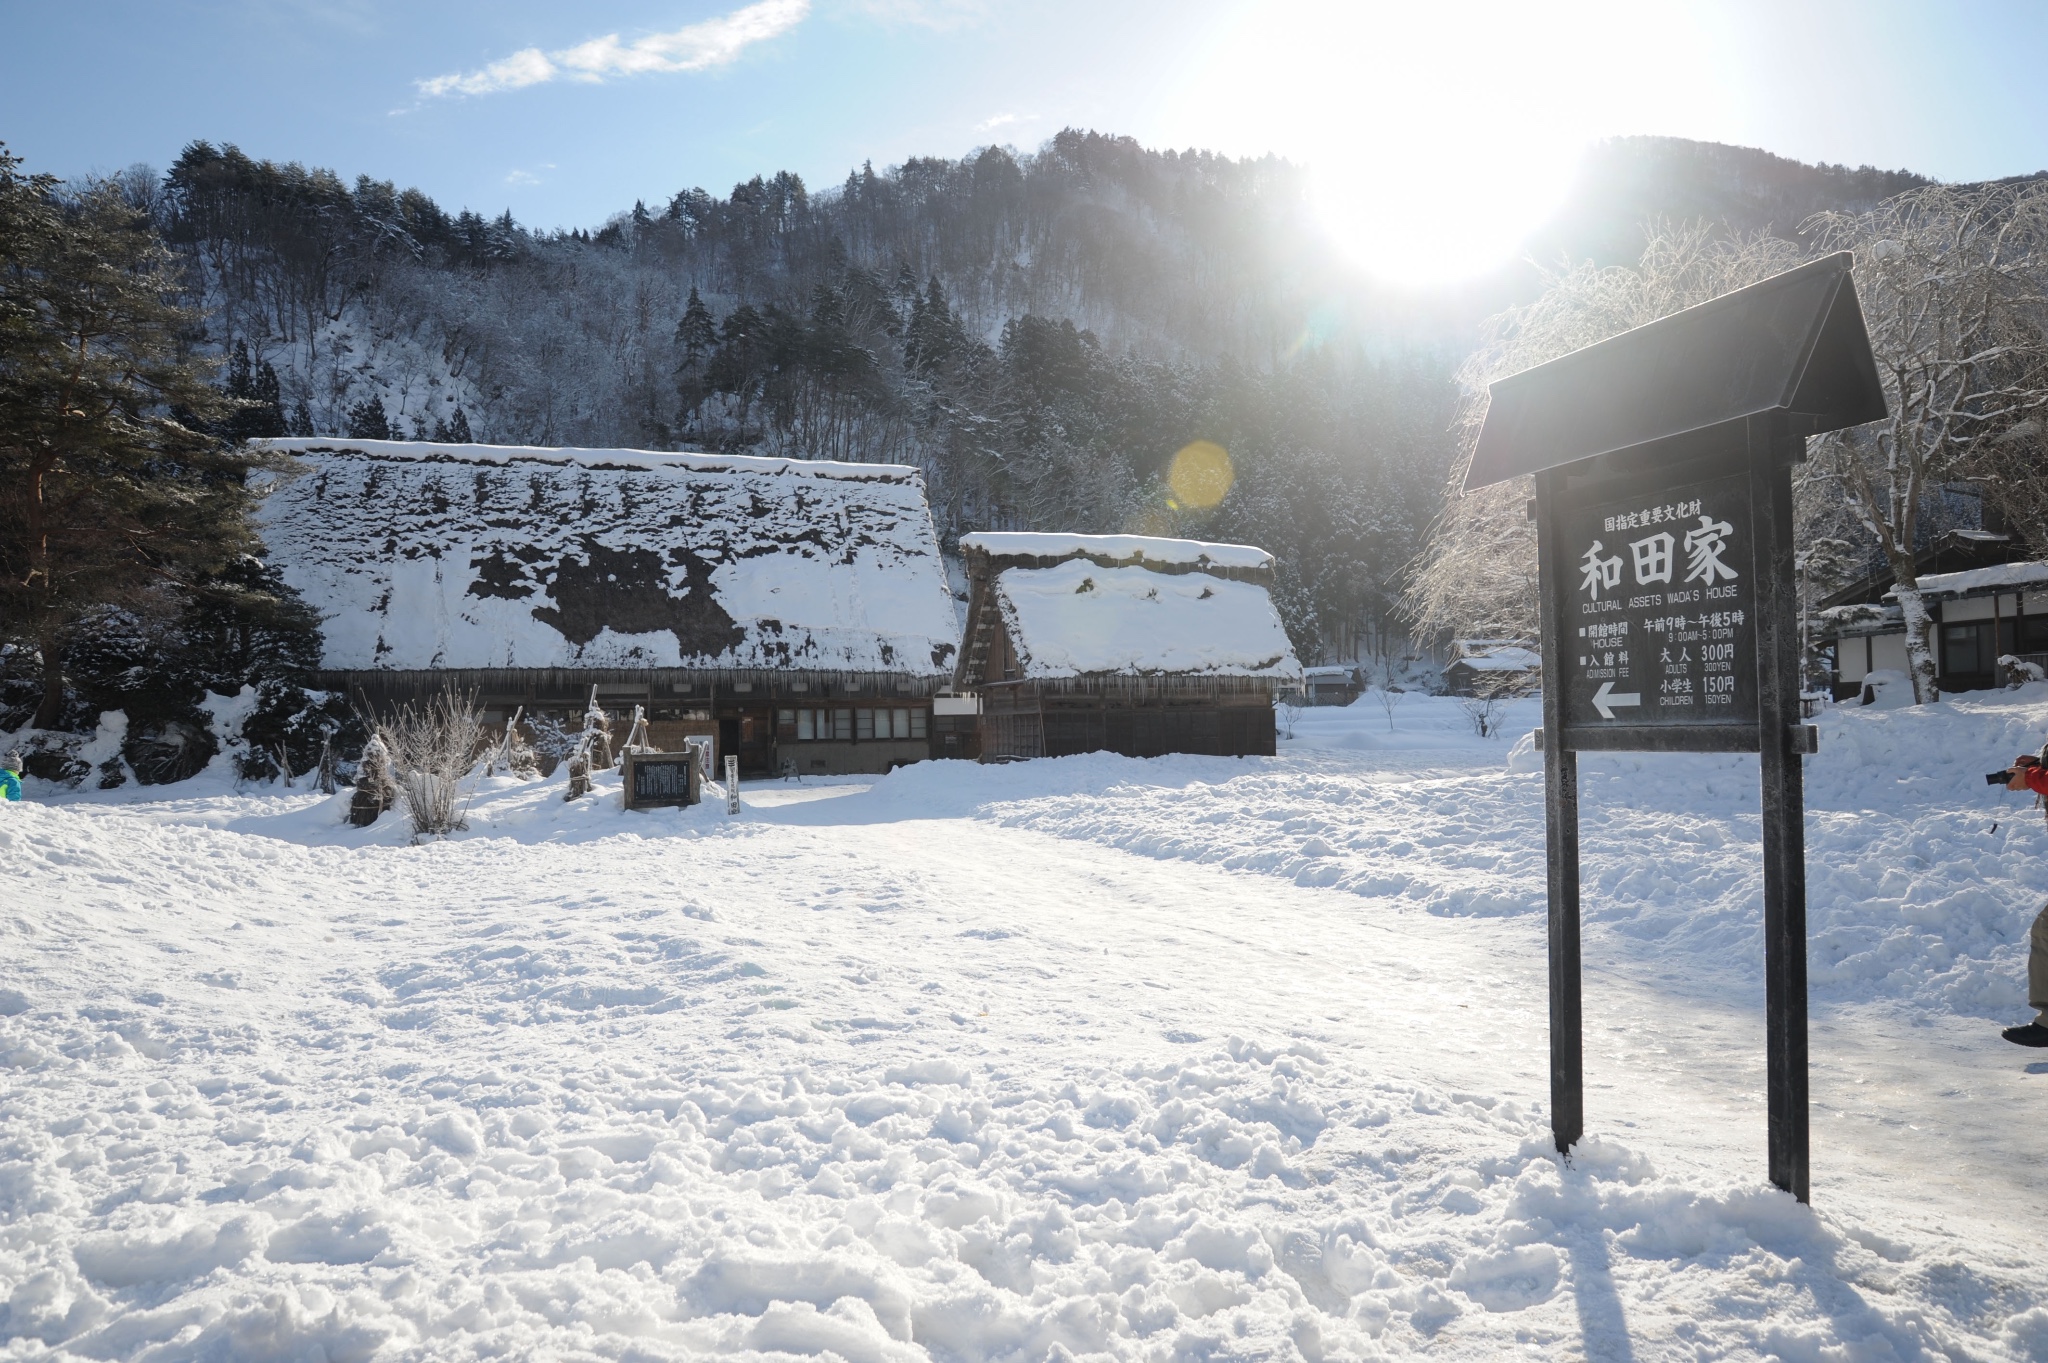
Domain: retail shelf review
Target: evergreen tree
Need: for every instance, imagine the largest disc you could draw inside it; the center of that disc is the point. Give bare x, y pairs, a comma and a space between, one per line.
258, 411
696, 334
367, 421
112, 488
458, 428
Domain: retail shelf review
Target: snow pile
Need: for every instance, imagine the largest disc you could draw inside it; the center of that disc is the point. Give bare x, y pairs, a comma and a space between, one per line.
475, 556
1174, 1082
1078, 618
1118, 548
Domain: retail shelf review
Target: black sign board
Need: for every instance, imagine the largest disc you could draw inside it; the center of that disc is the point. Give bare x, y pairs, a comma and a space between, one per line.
654, 780
1659, 626
1662, 461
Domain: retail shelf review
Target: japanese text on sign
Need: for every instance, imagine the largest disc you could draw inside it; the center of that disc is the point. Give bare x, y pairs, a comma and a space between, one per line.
1659, 622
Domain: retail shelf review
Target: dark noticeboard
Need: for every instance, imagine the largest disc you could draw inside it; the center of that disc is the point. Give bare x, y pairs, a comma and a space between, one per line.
1659, 627
655, 780
1662, 464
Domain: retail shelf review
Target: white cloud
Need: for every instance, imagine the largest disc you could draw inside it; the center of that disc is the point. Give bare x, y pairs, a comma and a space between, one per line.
697, 47
939, 15
989, 125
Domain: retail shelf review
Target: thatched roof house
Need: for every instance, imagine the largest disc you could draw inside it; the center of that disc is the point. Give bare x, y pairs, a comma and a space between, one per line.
1128, 643
721, 591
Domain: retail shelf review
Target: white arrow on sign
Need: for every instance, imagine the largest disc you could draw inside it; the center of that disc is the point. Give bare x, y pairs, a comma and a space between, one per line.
1606, 697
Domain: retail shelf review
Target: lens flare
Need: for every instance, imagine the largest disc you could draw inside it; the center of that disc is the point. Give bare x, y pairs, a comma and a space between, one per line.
1200, 475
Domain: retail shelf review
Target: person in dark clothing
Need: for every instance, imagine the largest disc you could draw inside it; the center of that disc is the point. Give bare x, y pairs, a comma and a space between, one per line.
2029, 774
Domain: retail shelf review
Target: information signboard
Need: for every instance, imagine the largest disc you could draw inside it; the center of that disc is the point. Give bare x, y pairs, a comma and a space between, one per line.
653, 780
1659, 618
1662, 463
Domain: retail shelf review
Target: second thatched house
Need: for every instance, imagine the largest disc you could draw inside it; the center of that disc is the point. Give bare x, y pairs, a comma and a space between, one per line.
1124, 643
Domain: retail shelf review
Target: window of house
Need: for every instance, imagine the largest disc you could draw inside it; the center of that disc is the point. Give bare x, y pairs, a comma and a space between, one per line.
1962, 648
917, 723
842, 725
864, 724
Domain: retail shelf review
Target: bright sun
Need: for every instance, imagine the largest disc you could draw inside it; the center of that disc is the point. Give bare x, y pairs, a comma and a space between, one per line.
1440, 135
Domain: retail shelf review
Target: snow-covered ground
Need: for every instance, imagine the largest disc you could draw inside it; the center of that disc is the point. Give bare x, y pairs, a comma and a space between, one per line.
1189, 1057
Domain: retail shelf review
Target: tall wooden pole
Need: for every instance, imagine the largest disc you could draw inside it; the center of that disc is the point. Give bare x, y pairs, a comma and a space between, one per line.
1772, 451
1561, 835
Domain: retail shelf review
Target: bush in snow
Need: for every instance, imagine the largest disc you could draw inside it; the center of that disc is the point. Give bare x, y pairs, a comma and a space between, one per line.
376, 791
520, 757
553, 740
597, 736
292, 730
433, 746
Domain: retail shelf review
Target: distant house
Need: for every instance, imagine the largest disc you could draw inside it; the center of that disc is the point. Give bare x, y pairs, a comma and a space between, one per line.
1330, 685
1981, 616
797, 611
1986, 599
1124, 643
1493, 667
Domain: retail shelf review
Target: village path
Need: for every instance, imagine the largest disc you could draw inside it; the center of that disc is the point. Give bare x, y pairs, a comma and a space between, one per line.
1918, 1123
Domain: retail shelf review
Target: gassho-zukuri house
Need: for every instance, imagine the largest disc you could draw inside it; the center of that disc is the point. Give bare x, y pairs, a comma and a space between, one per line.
797, 611
1125, 643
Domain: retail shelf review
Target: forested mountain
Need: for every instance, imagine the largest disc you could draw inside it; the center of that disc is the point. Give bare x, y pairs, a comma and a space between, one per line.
1038, 332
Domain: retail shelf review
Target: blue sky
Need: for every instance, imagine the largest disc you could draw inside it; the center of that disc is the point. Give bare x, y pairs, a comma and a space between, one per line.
567, 113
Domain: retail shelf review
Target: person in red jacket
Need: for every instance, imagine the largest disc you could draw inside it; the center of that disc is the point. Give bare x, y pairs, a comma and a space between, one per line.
2029, 774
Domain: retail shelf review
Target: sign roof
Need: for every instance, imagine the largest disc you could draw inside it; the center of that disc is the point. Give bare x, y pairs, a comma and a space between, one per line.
1794, 343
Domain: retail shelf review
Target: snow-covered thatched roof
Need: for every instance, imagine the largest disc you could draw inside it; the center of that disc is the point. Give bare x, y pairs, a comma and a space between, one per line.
1507, 658
1136, 548
431, 556
1129, 605
1077, 619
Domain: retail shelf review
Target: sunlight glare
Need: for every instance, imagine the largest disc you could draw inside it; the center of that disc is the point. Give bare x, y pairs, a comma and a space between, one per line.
1438, 137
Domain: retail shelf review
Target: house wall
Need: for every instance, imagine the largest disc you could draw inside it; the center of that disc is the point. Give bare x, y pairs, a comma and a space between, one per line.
1852, 659
1026, 721
1888, 652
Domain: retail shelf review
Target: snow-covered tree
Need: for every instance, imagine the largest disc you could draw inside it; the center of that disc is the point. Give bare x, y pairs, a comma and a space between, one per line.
1476, 576
1954, 286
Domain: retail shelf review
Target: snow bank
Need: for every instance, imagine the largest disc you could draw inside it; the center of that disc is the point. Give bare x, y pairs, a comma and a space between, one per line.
1151, 549
1078, 618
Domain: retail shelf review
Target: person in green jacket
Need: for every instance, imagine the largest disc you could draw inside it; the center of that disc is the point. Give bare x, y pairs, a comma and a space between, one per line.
10, 777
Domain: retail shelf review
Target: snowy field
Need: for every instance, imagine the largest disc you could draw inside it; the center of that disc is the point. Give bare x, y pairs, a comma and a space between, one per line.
1154, 1059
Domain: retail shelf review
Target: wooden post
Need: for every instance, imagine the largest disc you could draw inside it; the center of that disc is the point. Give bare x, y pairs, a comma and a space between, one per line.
1561, 835
1772, 450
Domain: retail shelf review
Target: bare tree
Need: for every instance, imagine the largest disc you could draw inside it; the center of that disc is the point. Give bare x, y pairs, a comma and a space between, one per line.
434, 746
1476, 576
1384, 690
1954, 286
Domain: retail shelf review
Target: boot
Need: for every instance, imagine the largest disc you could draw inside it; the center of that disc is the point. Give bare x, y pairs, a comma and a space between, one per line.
2033, 1034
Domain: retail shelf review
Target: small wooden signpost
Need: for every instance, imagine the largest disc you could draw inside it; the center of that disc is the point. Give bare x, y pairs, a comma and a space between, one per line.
1670, 619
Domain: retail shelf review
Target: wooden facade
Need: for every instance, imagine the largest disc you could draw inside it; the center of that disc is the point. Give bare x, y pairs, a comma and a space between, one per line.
776, 723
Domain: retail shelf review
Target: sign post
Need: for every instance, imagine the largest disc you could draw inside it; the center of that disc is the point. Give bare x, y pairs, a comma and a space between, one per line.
1669, 615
